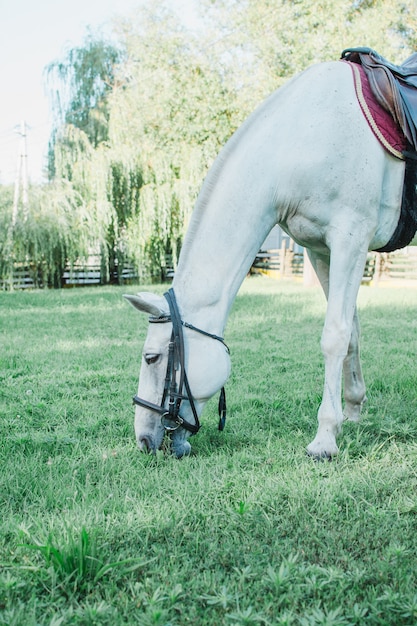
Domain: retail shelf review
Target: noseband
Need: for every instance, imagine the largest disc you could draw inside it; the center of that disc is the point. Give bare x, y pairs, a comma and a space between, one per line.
177, 392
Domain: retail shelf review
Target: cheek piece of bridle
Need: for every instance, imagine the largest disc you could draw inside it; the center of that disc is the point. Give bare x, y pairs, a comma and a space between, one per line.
176, 391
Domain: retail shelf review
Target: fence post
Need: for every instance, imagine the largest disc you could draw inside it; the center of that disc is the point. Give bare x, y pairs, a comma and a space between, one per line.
377, 270
282, 259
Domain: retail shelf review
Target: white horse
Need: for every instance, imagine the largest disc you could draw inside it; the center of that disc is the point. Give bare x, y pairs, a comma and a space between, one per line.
307, 160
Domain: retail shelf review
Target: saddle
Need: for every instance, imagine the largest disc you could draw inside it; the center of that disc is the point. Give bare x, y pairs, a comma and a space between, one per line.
395, 89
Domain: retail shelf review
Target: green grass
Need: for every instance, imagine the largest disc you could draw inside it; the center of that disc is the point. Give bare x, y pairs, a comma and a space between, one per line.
248, 529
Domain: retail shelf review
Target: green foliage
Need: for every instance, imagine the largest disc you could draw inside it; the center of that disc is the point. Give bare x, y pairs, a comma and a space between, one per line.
55, 229
138, 122
170, 118
80, 84
278, 39
76, 563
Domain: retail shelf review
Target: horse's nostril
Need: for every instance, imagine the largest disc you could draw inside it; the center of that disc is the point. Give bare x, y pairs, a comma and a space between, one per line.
146, 444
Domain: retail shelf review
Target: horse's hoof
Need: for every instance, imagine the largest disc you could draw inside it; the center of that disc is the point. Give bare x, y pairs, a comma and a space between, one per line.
319, 456
320, 452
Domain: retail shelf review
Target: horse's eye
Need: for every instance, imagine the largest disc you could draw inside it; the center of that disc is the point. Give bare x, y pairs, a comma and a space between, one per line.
151, 358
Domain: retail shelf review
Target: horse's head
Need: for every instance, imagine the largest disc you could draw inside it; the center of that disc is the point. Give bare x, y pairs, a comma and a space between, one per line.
182, 367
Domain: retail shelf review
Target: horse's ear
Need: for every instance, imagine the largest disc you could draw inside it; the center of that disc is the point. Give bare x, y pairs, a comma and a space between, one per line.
148, 303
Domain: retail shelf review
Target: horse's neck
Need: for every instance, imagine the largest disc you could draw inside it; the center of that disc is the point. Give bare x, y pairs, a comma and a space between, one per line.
230, 221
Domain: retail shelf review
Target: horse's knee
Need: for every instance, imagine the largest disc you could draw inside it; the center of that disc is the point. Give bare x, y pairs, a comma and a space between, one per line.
335, 340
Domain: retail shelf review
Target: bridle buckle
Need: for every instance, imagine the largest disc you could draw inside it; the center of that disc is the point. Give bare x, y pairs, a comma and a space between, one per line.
168, 420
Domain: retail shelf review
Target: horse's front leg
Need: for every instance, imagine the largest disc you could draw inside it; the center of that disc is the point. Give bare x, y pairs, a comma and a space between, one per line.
354, 384
344, 277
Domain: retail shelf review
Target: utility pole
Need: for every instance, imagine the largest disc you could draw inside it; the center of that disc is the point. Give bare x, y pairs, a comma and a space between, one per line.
21, 181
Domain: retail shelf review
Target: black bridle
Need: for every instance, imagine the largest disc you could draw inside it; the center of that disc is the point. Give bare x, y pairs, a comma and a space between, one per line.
175, 391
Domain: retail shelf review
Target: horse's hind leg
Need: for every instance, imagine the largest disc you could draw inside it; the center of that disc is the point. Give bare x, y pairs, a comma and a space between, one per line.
339, 344
354, 385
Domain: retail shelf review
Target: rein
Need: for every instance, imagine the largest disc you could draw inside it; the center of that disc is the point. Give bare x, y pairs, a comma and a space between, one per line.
178, 391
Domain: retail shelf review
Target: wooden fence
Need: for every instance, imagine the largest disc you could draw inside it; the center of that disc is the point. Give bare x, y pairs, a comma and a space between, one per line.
280, 263
26, 277
80, 275
21, 278
88, 273
399, 267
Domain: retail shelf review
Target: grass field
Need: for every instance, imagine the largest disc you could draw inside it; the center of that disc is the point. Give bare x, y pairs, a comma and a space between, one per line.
248, 529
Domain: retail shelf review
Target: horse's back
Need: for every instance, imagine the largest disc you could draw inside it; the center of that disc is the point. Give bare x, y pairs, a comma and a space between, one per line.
315, 116
308, 157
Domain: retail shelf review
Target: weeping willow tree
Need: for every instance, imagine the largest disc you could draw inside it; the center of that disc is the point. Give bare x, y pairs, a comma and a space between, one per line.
54, 231
79, 149
138, 125
169, 120
86, 171
79, 86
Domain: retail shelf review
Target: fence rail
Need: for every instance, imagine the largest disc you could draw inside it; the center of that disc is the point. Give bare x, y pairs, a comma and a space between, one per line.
401, 266
284, 262
28, 277
21, 278
281, 263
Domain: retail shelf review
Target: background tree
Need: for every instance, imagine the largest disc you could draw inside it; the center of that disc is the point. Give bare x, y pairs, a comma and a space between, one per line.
273, 39
80, 86
139, 121
54, 232
170, 120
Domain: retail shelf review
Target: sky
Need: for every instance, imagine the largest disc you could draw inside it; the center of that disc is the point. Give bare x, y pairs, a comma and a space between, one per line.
34, 33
